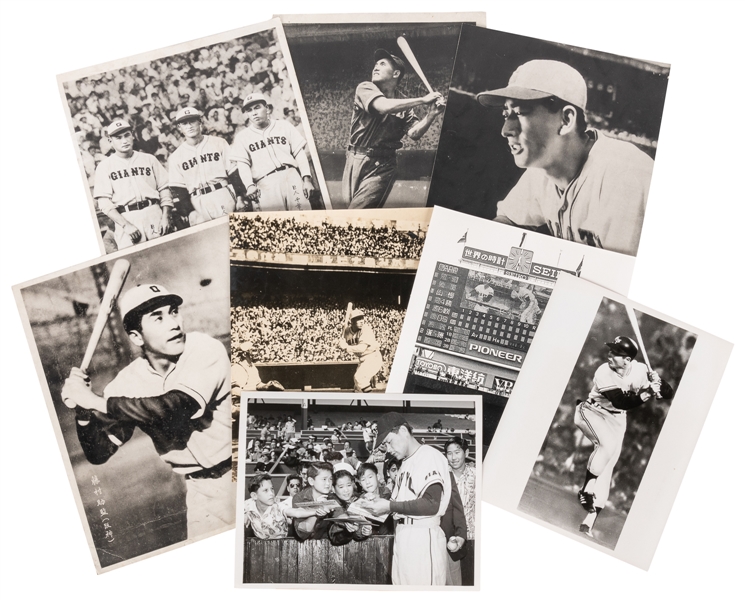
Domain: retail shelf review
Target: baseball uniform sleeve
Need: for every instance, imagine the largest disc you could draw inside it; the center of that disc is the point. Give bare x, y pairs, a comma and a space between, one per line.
171, 410
175, 174
521, 204
297, 141
230, 166
100, 436
427, 505
238, 151
365, 93
103, 190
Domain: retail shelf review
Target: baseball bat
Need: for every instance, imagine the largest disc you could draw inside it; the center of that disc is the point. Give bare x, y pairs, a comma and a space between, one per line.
118, 276
409, 54
638, 334
346, 319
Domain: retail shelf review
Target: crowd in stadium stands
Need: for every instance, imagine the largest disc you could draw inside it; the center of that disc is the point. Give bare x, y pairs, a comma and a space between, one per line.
564, 456
215, 79
309, 459
305, 330
329, 103
291, 235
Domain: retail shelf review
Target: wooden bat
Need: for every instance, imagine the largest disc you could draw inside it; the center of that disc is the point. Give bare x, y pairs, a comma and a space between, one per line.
638, 334
409, 54
117, 278
346, 320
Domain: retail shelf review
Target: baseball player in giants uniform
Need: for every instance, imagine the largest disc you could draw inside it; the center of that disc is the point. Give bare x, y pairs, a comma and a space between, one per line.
620, 384
528, 303
131, 188
583, 186
379, 122
199, 170
420, 497
178, 393
271, 160
359, 340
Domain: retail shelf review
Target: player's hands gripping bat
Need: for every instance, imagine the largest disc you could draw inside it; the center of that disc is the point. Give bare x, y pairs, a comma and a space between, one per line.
117, 278
409, 54
653, 376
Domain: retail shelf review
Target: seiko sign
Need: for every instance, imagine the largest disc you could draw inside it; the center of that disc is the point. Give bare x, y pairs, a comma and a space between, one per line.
495, 352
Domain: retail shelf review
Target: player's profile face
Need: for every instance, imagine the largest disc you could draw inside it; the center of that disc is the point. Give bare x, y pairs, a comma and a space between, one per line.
532, 133
344, 488
258, 114
358, 323
616, 361
382, 71
123, 141
456, 456
322, 482
265, 493
396, 444
369, 481
161, 331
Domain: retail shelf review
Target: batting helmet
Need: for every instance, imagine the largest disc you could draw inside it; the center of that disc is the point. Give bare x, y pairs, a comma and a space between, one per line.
623, 346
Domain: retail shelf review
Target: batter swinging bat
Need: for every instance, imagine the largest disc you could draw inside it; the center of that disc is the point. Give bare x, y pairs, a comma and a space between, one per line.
346, 319
638, 334
406, 49
118, 276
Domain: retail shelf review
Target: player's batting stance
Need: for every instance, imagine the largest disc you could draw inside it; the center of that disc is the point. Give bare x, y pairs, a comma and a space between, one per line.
178, 393
419, 499
620, 384
379, 123
358, 339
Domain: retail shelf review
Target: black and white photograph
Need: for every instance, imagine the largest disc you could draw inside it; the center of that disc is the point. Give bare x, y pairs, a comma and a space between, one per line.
348, 489
376, 87
550, 137
187, 134
477, 302
597, 437
318, 298
132, 353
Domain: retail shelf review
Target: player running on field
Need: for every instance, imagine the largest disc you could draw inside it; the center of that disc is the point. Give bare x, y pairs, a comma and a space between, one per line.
620, 384
131, 188
178, 393
583, 186
271, 160
379, 123
199, 171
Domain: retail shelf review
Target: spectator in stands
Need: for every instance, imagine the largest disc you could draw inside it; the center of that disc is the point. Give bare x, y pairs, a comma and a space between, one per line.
456, 451
262, 515
314, 526
390, 468
294, 484
368, 480
345, 493
262, 464
304, 475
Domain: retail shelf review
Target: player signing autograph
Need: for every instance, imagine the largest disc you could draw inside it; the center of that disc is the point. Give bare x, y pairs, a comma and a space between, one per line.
131, 188
178, 393
620, 384
379, 122
420, 497
583, 186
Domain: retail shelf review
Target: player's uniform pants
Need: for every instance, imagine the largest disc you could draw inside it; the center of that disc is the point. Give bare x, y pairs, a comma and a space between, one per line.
369, 366
419, 553
605, 430
147, 220
210, 505
282, 190
214, 205
367, 181
454, 575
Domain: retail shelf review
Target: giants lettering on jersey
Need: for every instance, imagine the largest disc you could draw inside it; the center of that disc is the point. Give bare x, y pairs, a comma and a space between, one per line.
269, 141
203, 158
131, 172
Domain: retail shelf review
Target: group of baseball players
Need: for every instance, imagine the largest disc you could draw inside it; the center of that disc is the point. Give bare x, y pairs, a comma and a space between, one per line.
429, 505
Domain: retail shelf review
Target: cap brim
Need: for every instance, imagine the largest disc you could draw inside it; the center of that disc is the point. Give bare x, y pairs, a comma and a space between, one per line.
152, 304
495, 98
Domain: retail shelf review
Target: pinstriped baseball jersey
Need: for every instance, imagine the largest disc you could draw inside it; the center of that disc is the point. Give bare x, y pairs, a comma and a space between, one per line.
266, 150
193, 167
419, 471
633, 380
202, 372
120, 181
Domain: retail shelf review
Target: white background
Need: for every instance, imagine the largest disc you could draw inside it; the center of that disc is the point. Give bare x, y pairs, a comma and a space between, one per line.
689, 264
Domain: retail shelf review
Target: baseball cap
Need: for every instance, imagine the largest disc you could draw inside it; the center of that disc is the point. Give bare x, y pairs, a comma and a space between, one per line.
187, 113
116, 126
254, 98
623, 346
538, 79
390, 421
143, 298
356, 314
397, 61
342, 466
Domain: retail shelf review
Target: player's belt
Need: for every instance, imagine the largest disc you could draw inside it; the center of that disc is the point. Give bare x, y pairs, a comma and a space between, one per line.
207, 189
373, 152
594, 404
212, 472
427, 523
136, 205
282, 168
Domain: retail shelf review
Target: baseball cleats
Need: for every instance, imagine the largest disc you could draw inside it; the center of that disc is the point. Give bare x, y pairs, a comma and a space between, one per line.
586, 500
585, 529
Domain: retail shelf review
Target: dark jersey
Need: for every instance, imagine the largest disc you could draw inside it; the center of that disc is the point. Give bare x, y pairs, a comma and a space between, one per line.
372, 130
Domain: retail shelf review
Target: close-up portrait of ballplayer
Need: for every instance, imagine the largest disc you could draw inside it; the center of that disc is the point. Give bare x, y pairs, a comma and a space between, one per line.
177, 392
380, 119
551, 138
